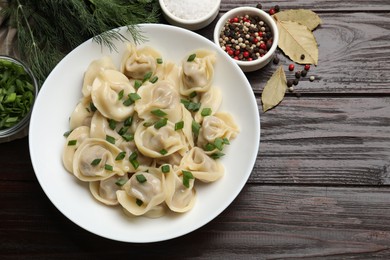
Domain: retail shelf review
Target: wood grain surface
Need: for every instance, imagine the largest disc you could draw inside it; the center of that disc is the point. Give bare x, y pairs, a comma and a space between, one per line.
319, 188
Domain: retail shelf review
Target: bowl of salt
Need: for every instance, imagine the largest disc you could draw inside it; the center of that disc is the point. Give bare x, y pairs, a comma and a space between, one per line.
190, 14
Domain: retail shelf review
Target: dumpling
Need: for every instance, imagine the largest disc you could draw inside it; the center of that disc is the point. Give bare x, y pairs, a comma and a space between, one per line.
110, 91
197, 73
105, 190
143, 192
136, 63
180, 198
93, 70
82, 114
94, 160
159, 142
212, 100
203, 167
161, 95
220, 125
100, 128
73, 141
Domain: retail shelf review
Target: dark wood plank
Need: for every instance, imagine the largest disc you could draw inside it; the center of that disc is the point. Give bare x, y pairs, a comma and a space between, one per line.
264, 222
325, 141
353, 56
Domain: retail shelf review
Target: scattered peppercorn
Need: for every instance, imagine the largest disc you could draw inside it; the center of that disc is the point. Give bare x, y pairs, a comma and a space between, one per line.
312, 78
307, 67
289, 83
259, 6
276, 60
298, 74
291, 67
303, 73
302, 56
277, 8
295, 82
291, 89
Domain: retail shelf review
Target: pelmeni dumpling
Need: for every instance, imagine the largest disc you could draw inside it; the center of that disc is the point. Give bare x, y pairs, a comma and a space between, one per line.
143, 192
203, 167
93, 70
220, 125
82, 114
109, 93
94, 160
159, 142
100, 128
197, 74
136, 63
161, 95
73, 141
105, 190
211, 99
179, 197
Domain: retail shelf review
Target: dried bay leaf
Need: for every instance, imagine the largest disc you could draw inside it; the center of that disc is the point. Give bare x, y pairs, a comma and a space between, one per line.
274, 90
302, 16
296, 39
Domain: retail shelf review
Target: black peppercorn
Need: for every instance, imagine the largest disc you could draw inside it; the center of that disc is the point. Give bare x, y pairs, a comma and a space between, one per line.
298, 74
295, 82
259, 6
289, 83
276, 60
302, 56
277, 8
303, 73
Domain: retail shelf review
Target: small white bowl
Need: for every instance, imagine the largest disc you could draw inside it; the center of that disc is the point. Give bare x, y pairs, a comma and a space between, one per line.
259, 63
190, 24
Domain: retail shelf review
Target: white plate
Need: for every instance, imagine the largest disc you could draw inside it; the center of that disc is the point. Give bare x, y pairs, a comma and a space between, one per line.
59, 96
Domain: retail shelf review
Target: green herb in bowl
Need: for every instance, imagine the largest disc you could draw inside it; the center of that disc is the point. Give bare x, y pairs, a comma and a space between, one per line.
18, 89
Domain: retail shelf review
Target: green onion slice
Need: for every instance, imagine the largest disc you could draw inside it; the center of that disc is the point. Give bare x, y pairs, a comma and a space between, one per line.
121, 182
195, 127
165, 168
108, 167
161, 123
191, 57
179, 125
96, 161
140, 178
120, 156
72, 142
206, 111
187, 176
110, 139
158, 112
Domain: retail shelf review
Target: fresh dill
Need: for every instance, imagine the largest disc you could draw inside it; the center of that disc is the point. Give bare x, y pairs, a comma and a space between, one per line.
49, 29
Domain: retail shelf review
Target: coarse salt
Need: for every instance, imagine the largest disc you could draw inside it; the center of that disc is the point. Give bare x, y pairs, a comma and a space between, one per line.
190, 9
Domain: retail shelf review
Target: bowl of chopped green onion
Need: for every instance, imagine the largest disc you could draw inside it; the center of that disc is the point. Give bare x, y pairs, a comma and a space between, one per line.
18, 89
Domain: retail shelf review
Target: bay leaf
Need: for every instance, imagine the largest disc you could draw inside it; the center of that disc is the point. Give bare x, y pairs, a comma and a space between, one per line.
302, 16
274, 90
296, 39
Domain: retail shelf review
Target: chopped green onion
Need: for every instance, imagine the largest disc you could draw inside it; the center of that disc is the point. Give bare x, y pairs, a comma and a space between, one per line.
133, 156
158, 112
72, 142
206, 111
128, 102
217, 155
128, 121
148, 123
134, 96
111, 124
209, 147
92, 107
154, 79
96, 161
195, 127
140, 178
67, 133
226, 141
187, 176
123, 130
165, 168
218, 142
121, 182
137, 84
161, 123
108, 167
193, 94
191, 57
110, 139
128, 137
179, 125
163, 152
147, 76
120, 156
191, 106
120, 94
159, 61
139, 202
135, 164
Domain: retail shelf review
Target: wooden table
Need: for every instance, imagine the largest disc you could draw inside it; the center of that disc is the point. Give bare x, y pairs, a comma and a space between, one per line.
320, 184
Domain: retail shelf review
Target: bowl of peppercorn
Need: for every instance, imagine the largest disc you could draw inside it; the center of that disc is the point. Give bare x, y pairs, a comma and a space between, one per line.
18, 89
248, 35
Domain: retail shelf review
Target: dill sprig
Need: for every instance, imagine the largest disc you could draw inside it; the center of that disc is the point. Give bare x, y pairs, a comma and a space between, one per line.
49, 29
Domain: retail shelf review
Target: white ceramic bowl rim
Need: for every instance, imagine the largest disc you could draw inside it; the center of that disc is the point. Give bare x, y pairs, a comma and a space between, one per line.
244, 10
189, 21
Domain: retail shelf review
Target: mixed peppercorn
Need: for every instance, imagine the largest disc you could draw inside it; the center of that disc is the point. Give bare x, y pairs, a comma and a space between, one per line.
246, 38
